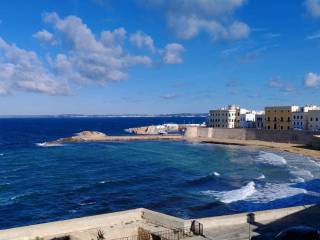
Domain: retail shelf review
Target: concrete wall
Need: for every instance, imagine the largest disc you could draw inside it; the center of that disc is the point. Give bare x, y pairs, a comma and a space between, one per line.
260, 216
162, 219
116, 225
288, 136
316, 142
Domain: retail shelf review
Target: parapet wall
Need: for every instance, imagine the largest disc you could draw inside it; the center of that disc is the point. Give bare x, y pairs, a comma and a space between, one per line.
287, 136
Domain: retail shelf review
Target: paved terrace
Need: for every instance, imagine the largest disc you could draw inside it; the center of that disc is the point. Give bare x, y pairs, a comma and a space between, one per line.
126, 225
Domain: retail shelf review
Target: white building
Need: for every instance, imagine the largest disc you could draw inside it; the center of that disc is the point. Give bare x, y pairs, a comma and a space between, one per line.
260, 120
300, 117
224, 117
247, 120
314, 120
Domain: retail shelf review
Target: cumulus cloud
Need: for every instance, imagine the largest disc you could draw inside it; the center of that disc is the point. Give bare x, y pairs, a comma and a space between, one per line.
45, 37
188, 18
23, 70
312, 80
84, 58
89, 59
172, 53
140, 40
313, 7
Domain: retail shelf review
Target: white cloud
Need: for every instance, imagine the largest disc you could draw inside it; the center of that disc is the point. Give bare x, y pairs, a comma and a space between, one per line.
172, 53
84, 58
313, 36
188, 18
282, 86
169, 96
312, 80
23, 70
313, 7
140, 40
91, 60
45, 37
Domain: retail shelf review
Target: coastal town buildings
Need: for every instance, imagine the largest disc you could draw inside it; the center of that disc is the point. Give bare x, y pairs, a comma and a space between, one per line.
279, 117
273, 118
314, 120
224, 117
247, 119
300, 117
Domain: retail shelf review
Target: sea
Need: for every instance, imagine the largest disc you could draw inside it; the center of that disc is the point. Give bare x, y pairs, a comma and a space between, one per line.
40, 184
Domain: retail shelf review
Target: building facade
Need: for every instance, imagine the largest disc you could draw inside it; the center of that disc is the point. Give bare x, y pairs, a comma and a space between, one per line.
247, 120
260, 120
300, 117
224, 117
314, 120
279, 117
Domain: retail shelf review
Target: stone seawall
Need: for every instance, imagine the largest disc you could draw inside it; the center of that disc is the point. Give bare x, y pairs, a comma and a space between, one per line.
126, 224
288, 136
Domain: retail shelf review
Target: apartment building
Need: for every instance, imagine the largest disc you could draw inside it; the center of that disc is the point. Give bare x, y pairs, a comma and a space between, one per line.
300, 117
279, 117
260, 120
224, 117
314, 120
247, 119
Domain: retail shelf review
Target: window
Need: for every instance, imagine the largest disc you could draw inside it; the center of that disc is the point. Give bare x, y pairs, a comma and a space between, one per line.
281, 119
311, 119
317, 119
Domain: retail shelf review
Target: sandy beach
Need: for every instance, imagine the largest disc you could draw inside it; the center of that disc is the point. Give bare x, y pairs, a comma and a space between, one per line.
287, 147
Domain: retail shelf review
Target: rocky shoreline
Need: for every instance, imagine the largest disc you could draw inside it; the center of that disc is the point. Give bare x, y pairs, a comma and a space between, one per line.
95, 136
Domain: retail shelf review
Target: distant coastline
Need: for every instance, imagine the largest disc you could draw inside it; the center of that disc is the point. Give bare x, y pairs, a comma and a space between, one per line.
174, 115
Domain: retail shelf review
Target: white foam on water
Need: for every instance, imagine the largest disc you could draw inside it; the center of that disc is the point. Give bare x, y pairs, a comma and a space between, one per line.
45, 144
271, 159
302, 173
233, 195
216, 174
271, 192
262, 176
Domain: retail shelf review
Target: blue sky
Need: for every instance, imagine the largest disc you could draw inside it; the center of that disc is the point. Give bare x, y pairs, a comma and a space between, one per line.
157, 56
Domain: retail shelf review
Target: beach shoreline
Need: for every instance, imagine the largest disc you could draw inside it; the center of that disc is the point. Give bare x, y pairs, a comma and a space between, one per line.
285, 147
93, 136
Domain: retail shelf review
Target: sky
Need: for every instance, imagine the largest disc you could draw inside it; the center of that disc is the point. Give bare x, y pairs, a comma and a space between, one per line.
157, 56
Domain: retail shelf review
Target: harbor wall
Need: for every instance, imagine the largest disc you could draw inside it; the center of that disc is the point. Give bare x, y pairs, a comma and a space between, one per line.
316, 142
286, 136
127, 223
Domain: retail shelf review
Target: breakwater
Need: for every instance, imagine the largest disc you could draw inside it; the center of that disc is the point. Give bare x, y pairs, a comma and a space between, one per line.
95, 136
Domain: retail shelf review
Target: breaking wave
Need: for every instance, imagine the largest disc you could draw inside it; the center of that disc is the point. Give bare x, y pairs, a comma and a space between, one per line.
45, 144
234, 195
271, 159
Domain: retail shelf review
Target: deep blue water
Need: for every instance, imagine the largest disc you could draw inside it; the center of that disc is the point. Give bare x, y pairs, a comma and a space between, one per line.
41, 184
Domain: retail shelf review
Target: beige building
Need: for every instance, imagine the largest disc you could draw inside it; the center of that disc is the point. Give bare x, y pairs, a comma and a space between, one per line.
314, 120
279, 117
224, 117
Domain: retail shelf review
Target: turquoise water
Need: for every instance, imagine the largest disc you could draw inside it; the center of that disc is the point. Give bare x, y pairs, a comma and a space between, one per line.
41, 184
